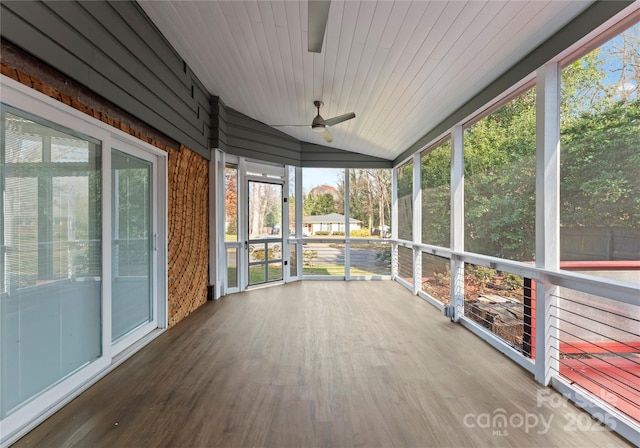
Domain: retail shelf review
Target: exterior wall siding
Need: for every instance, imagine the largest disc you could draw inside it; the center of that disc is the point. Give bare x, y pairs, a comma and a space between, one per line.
114, 50
240, 135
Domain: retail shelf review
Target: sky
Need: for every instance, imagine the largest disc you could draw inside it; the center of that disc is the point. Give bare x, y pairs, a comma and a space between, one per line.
313, 177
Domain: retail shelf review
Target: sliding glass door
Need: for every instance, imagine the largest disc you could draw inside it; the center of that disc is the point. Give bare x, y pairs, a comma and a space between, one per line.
132, 305
82, 255
50, 256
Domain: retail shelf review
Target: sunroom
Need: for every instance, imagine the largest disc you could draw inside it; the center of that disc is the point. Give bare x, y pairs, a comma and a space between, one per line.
170, 207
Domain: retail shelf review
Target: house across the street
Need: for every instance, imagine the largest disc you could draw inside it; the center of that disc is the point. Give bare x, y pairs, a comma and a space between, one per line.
333, 222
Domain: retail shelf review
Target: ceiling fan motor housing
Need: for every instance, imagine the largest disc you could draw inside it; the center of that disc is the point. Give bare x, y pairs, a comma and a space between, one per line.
317, 125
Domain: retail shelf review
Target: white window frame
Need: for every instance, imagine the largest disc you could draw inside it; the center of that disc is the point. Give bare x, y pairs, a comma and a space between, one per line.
55, 397
288, 240
157, 290
255, 170
219, 218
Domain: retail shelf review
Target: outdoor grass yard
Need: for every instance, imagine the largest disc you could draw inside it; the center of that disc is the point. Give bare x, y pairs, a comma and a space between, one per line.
325, 259
256, 273
336, 270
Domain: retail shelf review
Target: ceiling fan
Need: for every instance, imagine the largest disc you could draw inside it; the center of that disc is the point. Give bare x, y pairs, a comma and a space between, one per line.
320, 125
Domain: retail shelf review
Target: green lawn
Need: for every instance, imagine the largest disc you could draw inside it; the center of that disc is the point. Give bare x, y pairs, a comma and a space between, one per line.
331, 269
256, 273
275, 273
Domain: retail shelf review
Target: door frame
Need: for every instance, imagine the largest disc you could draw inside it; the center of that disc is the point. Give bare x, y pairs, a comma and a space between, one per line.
247, 241
256, 171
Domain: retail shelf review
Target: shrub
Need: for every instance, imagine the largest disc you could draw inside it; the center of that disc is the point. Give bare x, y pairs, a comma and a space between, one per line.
274, 253
308, 256
442, 278
360, 233
383, 256
322, 232
258, 255
513, 281
338, 233
480, 274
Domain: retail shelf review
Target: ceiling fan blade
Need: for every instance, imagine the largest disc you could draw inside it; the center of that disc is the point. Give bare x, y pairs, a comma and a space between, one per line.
318, 14
326, 135
289, 125
339, 119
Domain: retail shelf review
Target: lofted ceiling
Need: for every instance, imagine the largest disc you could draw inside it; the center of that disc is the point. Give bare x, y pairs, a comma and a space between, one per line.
401, 66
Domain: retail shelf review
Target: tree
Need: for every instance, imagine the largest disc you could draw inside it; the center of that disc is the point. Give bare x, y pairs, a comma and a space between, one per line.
625, 51
369, 196
265, 208
500, 181
435, 168
381, 181
600, 136
361, 196
319, 204
599, 168
600, 141
582, 86
231, 200
405, 201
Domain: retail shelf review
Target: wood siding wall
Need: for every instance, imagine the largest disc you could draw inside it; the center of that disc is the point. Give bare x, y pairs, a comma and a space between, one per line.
188, 178
243, 136
240, 135
114, 50
312, 155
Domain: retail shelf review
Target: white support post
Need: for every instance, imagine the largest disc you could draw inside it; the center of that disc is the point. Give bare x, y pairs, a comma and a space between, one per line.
221, 271
214, 229
107, 249
243, 222
394, 222
457, 221
547, 333
547, 218
417, 224
298, 212
347, 227
284, 230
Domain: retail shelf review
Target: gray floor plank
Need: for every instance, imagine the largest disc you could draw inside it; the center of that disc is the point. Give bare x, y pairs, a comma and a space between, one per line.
314, 364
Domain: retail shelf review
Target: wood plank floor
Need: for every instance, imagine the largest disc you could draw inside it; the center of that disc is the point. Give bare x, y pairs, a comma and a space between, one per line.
317, 364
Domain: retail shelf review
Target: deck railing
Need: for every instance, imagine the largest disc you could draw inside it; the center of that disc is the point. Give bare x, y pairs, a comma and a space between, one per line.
339, 258
597, 347
575, 331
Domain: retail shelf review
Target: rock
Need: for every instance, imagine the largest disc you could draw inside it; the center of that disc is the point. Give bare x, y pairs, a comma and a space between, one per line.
501, 315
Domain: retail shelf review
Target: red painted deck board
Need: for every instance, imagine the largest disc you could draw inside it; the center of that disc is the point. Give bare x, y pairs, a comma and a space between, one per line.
615, 380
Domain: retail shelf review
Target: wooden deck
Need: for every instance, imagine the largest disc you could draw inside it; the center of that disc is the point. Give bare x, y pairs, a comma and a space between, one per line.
313, 363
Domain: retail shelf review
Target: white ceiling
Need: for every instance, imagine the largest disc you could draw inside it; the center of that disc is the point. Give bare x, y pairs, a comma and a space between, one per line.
401, 66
